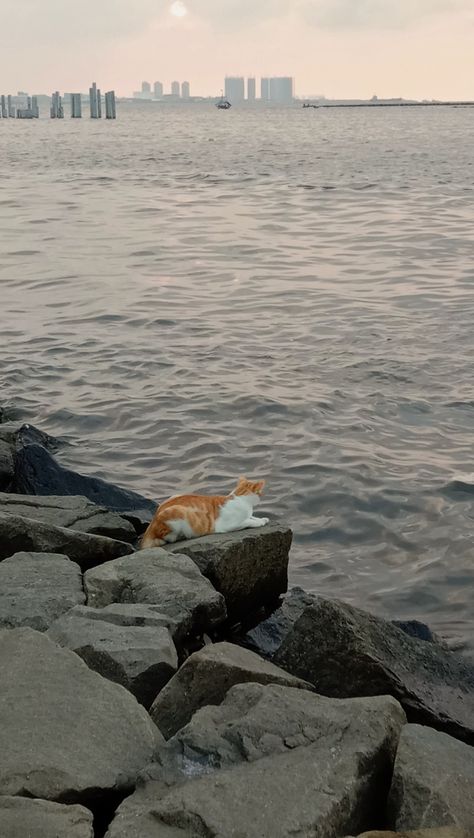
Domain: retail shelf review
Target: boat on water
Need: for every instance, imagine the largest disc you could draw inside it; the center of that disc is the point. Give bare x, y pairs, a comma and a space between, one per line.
309, 105
223, 104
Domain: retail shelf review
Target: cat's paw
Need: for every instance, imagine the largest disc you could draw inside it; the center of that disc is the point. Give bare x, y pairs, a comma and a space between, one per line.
264, 521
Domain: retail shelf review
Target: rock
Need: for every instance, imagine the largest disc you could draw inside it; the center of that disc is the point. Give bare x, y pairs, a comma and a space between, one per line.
18, 434
267, 637
66, 733
38, 473
250, 567
6, 466
442, 832
140, 658
70, 512
134, 614
155, 577
19, 534
21, 817
433, 781
345, 652
36, 588
270, 761
206, 677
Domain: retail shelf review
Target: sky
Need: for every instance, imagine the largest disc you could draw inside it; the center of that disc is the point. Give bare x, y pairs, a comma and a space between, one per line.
339, 48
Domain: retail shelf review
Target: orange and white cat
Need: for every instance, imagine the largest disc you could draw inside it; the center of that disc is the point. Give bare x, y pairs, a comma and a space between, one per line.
191, 516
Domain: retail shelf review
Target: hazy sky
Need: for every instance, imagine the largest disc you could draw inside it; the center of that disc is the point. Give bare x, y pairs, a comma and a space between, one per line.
419, 48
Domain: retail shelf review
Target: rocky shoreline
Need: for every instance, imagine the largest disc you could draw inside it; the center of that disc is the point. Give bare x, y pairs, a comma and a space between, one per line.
183, 692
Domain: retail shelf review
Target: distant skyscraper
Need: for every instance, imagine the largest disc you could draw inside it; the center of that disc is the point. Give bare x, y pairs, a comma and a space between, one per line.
185, 90
281, 89
175, 88
265, 90
146, 87
235, 88
158, 90
76, 105
251, 90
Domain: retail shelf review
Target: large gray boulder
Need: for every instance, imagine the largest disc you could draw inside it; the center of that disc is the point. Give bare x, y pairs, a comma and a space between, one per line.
442, 832
140, 658
206, 677
6, 465
66, 733
346, 652
36, 588
433, 781
38, 473
75, 513
249, 567
155, 577
27, 535
271, 761
21, 817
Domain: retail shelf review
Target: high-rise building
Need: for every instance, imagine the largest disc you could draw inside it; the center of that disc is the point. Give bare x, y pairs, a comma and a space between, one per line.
185, 90
251, 90
146, 87
175, 88
158, 90
281, 89
265, 90
76, 105
235, 88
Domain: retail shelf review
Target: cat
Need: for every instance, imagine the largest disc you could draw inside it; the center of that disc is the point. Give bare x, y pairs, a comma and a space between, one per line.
191, 516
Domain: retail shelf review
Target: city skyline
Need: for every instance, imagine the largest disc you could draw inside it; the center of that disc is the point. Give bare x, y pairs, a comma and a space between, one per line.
341, 48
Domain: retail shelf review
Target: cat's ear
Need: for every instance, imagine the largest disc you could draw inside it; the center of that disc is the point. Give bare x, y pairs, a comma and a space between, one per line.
260, 485
241, 480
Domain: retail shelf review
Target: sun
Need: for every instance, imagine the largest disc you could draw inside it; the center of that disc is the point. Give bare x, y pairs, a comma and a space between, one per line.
178, 9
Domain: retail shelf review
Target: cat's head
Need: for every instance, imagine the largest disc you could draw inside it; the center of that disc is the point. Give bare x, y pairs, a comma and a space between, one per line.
250, 487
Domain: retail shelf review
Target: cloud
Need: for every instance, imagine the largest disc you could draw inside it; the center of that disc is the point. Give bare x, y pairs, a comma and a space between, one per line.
370, 14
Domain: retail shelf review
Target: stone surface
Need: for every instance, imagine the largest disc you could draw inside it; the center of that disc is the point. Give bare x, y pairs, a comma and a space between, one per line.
249, 567
140, 658
346, 652
6, 465
21, 817
267, 637
19, 434
206, 677
155, 577
36, 588
270, 761
433, 781
71, 512
66, 733
442, 832
38, 473
24, 534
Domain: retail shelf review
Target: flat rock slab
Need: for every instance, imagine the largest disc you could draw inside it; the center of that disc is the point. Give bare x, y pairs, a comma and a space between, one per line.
140, 658
66, 733
75, 513
433, 781
36, 588
38, 473
155, 577
21, 817
346, 652
206, 677
270, 761
18, 534
249, 567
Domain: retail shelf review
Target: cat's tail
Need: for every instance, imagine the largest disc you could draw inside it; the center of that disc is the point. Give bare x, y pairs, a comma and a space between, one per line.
155, 535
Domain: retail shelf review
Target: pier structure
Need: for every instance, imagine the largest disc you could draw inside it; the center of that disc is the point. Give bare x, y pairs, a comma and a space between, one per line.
10, 108
31, 111
76, 106
95, 100
3, 107
57, 109
110, 107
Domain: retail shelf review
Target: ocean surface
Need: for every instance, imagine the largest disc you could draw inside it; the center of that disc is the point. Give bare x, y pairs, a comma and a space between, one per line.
187, 295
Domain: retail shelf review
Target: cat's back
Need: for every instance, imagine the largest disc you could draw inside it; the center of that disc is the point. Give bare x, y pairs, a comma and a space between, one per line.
193, 502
